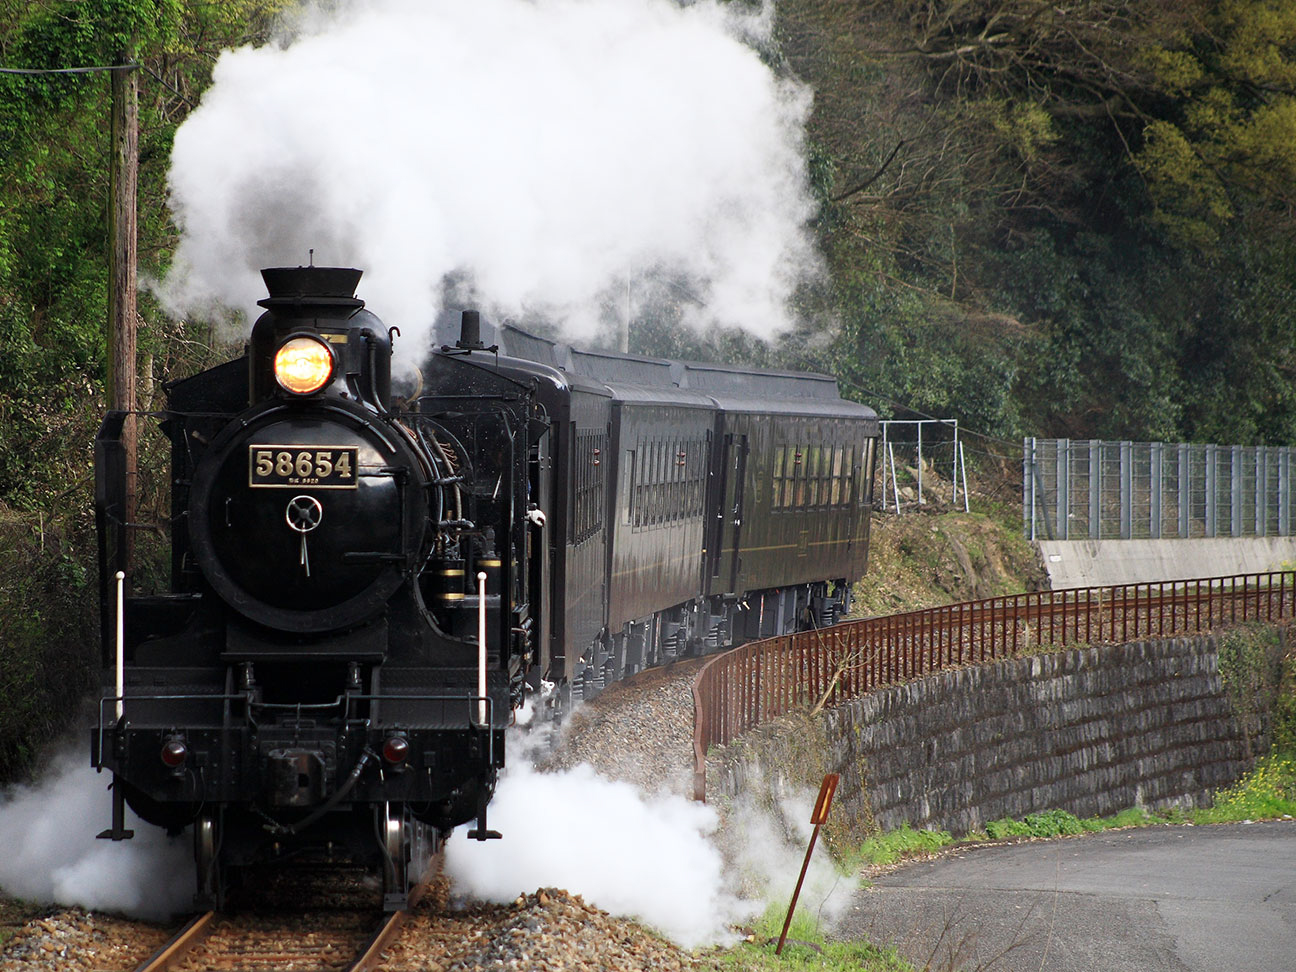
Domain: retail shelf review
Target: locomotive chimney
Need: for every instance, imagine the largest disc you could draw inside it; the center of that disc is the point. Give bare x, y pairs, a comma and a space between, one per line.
470, 332
311, 286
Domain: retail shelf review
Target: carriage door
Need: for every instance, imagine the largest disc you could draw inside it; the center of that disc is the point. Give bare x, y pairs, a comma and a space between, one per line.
731, 507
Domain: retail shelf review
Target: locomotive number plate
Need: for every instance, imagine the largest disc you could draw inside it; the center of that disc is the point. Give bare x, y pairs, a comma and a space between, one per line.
284, 466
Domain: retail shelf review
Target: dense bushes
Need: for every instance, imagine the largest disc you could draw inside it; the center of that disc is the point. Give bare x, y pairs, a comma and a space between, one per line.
49, 638
1258, 668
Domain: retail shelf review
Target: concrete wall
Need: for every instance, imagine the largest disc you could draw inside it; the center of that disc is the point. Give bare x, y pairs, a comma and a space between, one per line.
1093, 731
1098, 563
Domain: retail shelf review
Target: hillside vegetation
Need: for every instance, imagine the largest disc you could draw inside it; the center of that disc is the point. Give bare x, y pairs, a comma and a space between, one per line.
1036, 218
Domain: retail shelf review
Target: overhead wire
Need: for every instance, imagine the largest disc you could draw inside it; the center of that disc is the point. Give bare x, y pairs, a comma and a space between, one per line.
72, 70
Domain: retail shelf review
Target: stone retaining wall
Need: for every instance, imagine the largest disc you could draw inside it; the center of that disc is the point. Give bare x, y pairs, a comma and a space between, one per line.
1092, 731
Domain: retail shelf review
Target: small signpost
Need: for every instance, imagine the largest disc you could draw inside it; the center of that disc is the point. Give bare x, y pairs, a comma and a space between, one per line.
820, 814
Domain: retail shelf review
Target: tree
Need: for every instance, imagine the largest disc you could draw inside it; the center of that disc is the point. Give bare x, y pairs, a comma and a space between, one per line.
1061, 203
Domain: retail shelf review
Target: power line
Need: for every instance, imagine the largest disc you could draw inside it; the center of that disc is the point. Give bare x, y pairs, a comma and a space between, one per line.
72, 70
99, 70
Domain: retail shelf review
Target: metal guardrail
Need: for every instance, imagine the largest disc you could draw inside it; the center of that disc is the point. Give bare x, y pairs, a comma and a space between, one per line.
762, 680
1095, 490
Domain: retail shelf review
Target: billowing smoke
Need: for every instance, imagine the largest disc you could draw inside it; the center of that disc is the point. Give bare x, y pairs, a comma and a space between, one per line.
551, 158
624, 852
650, 857
51, 854
653, 857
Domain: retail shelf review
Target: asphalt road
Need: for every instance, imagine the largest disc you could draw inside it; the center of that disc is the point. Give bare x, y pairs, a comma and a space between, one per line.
1158, 899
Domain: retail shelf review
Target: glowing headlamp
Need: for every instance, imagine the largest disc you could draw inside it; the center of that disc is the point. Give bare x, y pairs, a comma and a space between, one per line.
303, 365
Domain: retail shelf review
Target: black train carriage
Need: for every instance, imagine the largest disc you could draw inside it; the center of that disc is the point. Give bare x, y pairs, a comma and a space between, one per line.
737, 507
311, 681
660, 443
792, 498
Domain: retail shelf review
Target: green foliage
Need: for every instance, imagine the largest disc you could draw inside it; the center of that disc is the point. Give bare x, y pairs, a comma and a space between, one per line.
1060, 220
54, 163
48, 629
894, 845
1131, 817
1228, 139
806, 948
1005, 827
1267, 792
1053, 823
1258, 678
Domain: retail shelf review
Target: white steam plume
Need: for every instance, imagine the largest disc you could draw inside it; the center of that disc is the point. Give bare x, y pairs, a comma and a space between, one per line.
548, 155
656, 858
629, 854
51, 854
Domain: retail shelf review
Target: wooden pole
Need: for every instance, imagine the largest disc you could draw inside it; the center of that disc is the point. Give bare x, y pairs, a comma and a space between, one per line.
122, 255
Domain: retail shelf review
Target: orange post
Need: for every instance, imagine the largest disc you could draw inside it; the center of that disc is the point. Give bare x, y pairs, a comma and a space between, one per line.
820, 814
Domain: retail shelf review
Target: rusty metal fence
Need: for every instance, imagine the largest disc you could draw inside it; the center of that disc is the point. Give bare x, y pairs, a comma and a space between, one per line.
765, 679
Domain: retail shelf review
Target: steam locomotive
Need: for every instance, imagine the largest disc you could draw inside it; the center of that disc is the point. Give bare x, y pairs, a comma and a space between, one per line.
364, 587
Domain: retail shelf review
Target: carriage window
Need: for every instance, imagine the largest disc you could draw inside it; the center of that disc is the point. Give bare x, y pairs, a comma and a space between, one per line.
659, 481
630, 497
659, 499
815, 474
587, 517
868, 457
850, 475
776, 493
795, 470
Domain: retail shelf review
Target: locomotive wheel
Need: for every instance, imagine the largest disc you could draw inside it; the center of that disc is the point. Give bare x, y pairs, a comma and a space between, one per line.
407, 847
210, 893
390, 824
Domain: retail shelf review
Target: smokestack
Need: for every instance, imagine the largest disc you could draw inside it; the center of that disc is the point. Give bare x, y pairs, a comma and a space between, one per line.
470, 332
311, 285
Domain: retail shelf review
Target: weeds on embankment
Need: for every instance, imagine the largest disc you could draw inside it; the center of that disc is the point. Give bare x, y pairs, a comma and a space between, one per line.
806, 950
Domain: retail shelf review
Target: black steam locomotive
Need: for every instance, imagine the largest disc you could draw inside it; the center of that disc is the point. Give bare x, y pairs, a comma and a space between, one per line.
363, 588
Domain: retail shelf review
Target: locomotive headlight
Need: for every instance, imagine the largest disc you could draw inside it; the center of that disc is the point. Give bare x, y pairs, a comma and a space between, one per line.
303, 365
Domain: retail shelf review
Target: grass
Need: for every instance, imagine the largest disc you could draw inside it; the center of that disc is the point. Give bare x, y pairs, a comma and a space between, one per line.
806, 948
895, 845
1268, 792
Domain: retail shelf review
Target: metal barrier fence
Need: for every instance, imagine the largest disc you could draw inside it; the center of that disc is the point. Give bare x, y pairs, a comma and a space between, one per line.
946, 454
765, 679
1078, 490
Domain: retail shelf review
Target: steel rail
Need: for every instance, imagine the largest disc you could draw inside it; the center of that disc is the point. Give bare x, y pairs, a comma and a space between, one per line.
369, 955
197, 929
391, 926
761, 680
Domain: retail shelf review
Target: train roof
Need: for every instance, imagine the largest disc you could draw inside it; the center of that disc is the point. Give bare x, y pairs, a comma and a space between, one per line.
815, 407
756, 383
637, 378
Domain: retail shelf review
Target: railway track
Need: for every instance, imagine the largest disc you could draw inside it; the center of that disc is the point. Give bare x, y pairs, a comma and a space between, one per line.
329, 939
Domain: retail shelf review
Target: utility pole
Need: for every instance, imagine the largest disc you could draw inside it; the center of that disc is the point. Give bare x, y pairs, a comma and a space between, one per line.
122, 255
